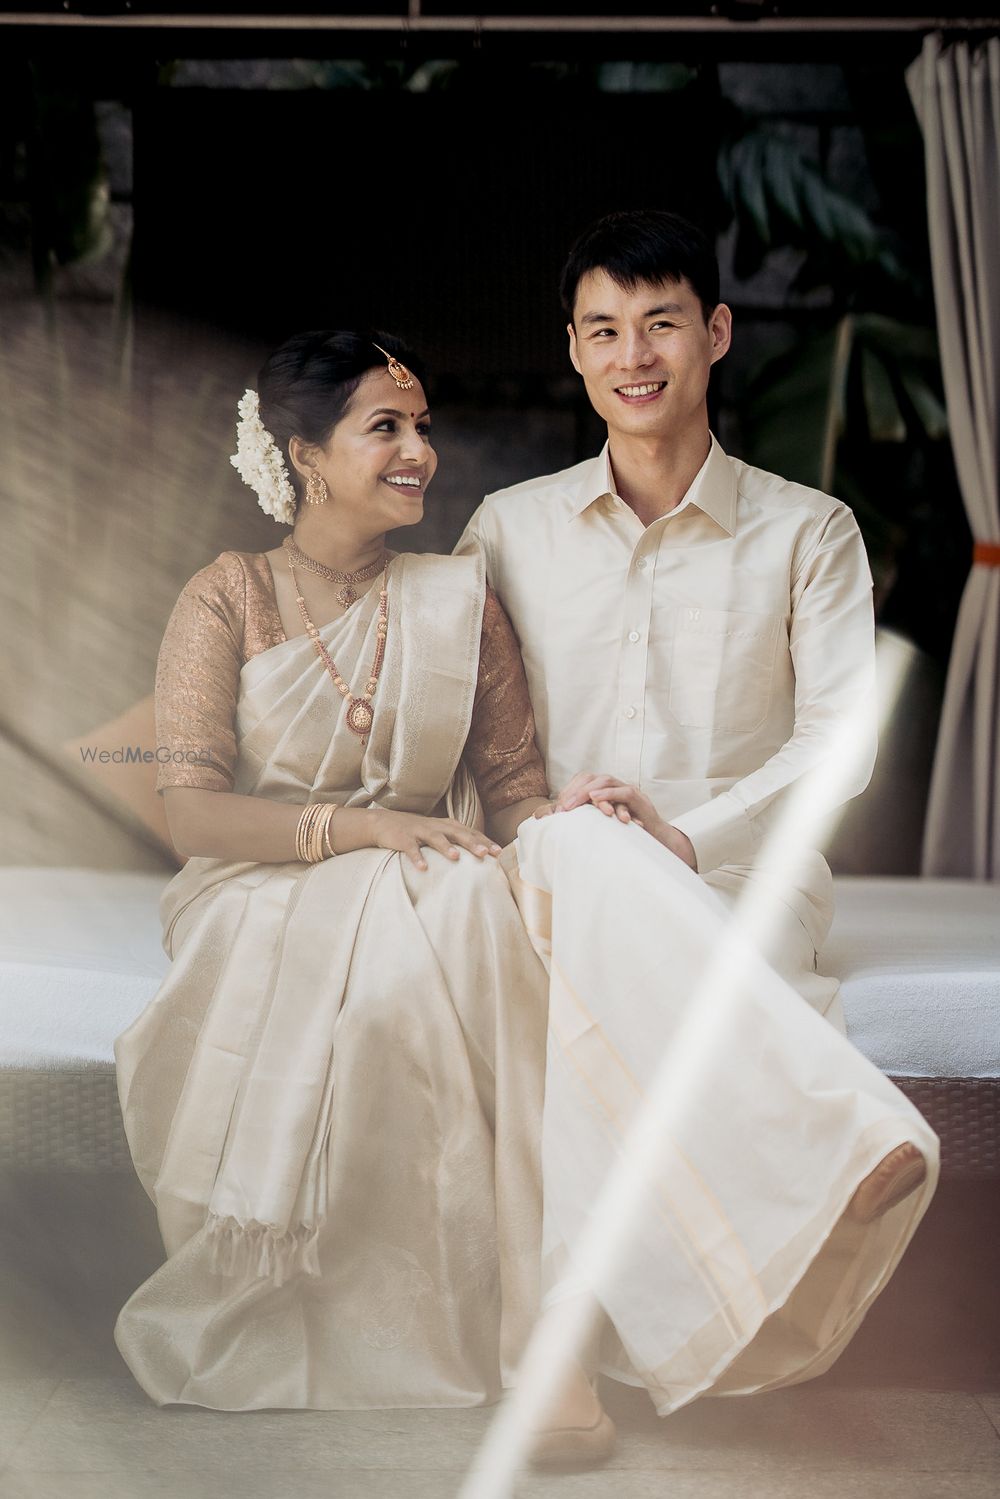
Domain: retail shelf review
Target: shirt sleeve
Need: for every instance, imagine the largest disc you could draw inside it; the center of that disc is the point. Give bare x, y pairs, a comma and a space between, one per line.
832, 647
197, 680
475, 539
501, 752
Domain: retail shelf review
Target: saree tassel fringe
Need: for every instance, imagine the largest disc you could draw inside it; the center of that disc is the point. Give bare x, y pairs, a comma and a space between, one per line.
258, 1251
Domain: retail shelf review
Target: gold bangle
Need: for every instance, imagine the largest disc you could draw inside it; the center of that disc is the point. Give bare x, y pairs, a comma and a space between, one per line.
312, 837
299, 826
309, 823
308, 839
313, 852
300, 834
316, 846
331, 852
316, 841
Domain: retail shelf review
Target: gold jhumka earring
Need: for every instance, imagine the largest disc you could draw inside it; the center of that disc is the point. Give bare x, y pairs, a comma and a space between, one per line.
316, 490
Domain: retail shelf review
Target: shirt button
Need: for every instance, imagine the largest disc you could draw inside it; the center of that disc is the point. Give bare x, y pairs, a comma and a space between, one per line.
641, 563
629, 712
633, 635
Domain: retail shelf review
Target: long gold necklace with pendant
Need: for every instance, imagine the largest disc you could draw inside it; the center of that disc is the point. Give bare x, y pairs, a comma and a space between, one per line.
360, 713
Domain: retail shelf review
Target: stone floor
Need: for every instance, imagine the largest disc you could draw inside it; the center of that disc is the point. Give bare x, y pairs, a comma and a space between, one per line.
911, 1411
95, 1436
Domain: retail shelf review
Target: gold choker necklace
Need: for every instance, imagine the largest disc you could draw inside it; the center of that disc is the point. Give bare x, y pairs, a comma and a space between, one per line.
348, 594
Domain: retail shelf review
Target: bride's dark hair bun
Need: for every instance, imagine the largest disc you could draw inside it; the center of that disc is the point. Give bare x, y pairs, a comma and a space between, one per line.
306, 385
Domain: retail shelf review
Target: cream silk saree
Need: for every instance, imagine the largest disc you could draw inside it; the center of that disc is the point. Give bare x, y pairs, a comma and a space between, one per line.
334, 1100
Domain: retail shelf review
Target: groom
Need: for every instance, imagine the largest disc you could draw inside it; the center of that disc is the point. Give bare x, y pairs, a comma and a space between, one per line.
693, 629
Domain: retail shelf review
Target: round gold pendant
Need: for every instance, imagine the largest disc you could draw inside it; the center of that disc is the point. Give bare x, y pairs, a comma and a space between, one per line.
360, 717
346, 597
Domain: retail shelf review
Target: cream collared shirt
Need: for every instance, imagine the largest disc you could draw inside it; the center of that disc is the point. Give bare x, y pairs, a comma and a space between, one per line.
708, 657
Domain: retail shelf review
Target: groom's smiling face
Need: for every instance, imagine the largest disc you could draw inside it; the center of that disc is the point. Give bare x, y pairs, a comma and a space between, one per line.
645, 353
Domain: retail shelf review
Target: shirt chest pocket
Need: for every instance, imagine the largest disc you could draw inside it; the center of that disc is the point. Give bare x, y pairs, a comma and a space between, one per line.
722, 668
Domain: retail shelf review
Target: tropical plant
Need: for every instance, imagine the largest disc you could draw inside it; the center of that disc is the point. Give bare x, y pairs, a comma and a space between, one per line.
855, 406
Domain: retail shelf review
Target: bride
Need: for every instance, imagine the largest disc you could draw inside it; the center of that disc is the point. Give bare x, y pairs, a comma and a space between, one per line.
335, 1098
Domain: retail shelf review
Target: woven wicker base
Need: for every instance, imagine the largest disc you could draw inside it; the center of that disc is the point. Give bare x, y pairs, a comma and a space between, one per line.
62, 1121
71, 1121
964, 1112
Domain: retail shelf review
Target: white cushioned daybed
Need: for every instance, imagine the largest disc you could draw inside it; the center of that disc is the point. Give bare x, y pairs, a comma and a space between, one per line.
80, 956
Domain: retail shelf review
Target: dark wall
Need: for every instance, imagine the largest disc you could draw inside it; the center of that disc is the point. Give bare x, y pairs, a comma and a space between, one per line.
445, 217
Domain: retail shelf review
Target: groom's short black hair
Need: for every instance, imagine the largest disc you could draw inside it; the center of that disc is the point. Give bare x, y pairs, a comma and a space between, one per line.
643, 245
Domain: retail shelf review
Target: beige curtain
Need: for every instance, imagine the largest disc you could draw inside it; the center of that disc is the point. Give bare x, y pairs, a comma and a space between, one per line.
956, 94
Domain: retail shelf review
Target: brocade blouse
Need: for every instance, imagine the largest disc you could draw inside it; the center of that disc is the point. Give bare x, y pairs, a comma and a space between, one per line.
227, 613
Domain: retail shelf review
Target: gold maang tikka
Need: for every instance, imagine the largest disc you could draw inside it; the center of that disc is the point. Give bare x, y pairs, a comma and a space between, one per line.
398, 371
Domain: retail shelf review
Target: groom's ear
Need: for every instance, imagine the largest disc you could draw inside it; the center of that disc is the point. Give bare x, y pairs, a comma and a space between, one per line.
574, 360
720, 332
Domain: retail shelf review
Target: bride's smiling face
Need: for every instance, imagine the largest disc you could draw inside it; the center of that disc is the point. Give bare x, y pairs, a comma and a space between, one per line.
378, 460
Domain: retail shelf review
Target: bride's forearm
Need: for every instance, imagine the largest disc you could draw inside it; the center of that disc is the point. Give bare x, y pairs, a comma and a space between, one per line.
504, 824
225, 825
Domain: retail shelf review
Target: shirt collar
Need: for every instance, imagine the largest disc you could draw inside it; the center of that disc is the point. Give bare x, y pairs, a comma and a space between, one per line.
713, 488
593, 484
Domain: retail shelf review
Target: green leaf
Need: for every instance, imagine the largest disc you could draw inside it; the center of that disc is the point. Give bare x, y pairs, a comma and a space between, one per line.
907, 354
781, 181
435, 74
779, 195
749, 185
789, 407
644, 77
912, 341
885, 420
929, 408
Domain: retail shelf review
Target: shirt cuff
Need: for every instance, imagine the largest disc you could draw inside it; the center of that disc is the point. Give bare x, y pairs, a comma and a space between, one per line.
720, 832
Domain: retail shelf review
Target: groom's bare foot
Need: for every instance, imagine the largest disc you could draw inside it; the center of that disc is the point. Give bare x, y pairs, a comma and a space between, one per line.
898, 1174
577, 1432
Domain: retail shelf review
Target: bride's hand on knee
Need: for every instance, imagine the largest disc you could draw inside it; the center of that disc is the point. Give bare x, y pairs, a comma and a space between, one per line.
408, 833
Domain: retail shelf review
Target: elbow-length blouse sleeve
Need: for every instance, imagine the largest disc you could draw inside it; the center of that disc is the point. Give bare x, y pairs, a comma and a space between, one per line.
501, 752
197, 679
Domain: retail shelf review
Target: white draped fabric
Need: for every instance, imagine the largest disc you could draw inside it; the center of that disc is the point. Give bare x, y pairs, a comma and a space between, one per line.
740, 1271
956, 93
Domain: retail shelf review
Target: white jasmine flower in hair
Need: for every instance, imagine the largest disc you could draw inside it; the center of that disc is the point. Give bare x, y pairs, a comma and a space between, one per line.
259, 463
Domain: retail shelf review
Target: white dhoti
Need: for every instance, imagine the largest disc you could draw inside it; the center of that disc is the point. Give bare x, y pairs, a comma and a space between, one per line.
740, 1271
798, 913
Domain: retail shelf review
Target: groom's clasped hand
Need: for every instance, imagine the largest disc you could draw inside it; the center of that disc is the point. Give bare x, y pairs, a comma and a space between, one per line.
626, 802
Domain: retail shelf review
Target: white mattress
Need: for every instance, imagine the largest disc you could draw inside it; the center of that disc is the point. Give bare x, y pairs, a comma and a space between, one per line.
80, 956
920, 965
